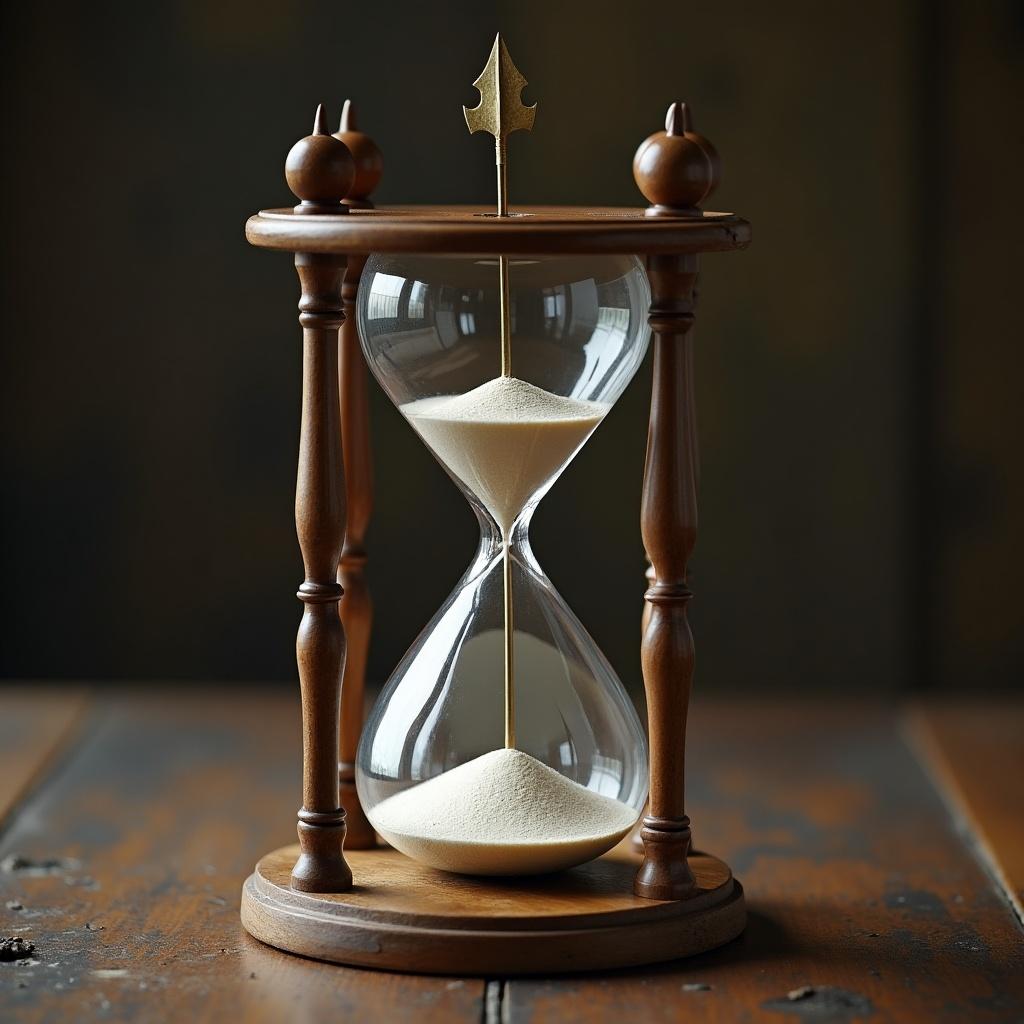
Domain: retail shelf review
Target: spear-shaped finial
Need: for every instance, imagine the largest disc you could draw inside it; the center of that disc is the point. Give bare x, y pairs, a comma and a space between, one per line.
676, 169
367, 156
501, 110
348, 118
678, 120
320, 121
319, 170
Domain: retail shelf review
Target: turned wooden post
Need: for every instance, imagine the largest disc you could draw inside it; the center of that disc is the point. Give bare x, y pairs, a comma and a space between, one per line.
675, 170
669, 526
319, 171
356, 606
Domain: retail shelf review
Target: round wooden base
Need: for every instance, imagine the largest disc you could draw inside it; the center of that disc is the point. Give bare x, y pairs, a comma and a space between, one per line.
404, 917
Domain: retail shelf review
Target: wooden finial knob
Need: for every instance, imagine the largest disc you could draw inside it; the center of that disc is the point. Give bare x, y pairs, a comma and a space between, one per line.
676, 169
319, 169
369, 163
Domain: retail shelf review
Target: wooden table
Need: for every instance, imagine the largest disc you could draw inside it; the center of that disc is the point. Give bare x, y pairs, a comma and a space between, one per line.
882, 854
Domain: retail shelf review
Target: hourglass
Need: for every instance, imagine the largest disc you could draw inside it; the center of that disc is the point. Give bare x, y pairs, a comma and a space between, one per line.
489, 798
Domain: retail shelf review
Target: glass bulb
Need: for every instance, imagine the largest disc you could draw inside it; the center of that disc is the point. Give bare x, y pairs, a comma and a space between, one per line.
503, 743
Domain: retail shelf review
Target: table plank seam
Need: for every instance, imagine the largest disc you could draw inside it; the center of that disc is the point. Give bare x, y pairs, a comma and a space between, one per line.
60, 753
919, 737
494, 1008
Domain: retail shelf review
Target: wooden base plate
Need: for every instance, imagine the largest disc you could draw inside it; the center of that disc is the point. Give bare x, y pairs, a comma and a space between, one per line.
402, 916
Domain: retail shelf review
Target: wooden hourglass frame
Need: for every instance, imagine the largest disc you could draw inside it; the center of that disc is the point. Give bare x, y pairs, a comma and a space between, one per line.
368, 905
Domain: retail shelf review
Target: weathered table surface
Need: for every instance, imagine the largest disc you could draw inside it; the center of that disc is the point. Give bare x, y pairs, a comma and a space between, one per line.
882, 853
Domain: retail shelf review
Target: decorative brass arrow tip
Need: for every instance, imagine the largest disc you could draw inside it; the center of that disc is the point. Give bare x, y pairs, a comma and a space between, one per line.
501, 109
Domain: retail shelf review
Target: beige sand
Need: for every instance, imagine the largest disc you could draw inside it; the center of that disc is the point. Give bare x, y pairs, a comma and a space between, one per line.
504, 813
505, 439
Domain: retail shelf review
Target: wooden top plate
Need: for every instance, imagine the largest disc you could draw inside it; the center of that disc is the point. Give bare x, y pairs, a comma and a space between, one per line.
476, 229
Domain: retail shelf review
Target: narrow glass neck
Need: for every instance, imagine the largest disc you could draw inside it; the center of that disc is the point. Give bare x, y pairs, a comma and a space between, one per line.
491, 539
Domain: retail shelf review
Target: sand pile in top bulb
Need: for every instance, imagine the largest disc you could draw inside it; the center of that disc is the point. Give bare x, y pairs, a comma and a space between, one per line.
503, 813
504, 439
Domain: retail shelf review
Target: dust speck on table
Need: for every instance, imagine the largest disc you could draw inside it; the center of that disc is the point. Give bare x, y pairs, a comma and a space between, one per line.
822, 1002
16, 864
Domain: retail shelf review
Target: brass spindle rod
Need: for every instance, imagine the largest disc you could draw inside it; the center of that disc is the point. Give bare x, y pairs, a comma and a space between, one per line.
510, 690
506, 371
500, 112
506, 318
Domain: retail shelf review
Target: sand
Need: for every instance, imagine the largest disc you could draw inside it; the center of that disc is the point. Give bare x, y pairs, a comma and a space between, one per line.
505, 439
504, 813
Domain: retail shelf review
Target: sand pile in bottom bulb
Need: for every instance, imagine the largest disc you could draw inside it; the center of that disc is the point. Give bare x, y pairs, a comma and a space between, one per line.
504, 813
504, 439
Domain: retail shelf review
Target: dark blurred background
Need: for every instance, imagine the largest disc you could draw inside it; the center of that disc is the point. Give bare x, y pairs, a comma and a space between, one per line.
859, 368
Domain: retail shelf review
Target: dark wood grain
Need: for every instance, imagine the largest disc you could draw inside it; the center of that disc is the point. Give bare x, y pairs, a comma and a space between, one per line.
859, 887
165, 804
976, 754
